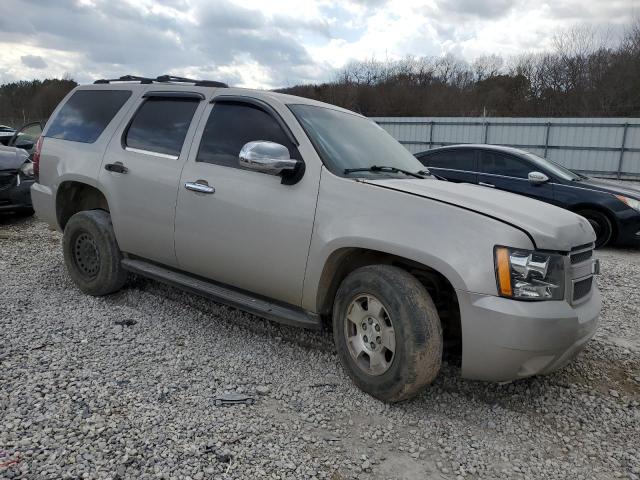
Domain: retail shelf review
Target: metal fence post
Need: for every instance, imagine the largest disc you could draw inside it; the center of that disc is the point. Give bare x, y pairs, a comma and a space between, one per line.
624, 140
546, 140
431, 124
486, 131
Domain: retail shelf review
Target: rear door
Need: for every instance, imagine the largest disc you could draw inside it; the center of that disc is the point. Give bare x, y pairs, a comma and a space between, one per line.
141, 170
508, 172
456, 165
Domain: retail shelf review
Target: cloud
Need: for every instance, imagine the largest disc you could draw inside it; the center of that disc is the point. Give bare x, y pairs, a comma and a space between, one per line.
474, 8
270, 44
33, 61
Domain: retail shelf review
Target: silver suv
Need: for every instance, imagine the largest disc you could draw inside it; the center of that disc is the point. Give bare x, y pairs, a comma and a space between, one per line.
306, 213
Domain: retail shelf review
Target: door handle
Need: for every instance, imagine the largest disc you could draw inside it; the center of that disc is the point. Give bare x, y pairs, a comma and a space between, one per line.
200, 186
486, 185
117, 167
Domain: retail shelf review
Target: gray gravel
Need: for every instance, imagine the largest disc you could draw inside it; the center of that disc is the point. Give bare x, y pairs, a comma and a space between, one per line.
123, 387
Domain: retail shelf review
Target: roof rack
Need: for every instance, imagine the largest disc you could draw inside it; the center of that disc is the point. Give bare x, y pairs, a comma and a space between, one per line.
163, 79
126, 78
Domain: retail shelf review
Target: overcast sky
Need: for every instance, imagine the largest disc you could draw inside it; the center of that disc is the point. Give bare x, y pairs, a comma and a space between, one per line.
274, 43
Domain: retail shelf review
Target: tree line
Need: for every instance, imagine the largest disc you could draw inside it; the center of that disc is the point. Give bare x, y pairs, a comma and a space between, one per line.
583, 75
31, 101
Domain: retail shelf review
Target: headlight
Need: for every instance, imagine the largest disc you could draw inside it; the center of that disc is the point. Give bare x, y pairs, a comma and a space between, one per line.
631, 202
27, 169
529, 275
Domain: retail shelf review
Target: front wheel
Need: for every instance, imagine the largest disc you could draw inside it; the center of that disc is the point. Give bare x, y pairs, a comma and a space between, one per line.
91, 253
601, 226
387, 332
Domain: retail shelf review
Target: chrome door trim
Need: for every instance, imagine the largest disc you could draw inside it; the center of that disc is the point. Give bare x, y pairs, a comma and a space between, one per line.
153, 154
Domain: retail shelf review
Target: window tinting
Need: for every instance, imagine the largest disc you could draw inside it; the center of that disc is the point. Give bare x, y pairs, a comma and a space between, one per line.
452, 159
507, 165
160, 125
86, 114
231, 125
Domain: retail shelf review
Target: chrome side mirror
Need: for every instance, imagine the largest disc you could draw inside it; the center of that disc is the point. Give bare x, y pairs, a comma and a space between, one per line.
537, 178
266, 157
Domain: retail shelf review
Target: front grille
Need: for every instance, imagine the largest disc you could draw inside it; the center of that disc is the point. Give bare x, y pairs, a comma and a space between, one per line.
7, 180
581, 257
582, 288
582, 247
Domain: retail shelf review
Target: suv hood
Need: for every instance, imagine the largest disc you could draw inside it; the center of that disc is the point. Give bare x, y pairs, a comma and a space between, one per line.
550, 227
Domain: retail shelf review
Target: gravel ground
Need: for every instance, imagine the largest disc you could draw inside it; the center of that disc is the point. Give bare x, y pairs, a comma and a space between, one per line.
123, 387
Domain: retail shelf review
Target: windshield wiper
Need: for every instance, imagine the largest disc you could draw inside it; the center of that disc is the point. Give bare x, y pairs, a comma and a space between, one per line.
377, 168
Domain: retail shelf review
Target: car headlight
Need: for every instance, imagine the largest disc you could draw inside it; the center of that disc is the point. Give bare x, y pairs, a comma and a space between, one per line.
631, 202
27, 169
529, 275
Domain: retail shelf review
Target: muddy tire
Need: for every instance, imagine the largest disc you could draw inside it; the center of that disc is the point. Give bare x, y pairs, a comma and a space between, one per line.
91, 253
387, 332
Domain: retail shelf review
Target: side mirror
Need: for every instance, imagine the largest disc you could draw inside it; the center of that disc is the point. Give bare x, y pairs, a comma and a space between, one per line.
537, 178
266, 157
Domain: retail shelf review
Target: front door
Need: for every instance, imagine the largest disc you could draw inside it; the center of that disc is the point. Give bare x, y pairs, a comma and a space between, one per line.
140, 174
508, 172
247, 229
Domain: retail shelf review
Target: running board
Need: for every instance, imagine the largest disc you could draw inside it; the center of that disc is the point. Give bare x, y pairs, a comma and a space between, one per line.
270, 310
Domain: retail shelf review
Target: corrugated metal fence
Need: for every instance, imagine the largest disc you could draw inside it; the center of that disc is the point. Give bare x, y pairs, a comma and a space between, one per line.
607, 147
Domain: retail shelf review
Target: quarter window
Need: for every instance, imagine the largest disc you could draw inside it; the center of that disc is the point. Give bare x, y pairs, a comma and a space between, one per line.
160, 125
506, 165
231, 125
451, 159
86, 114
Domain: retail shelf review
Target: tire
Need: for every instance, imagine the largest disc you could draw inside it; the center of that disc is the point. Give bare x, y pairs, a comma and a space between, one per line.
601, 225
407, 308
91, 253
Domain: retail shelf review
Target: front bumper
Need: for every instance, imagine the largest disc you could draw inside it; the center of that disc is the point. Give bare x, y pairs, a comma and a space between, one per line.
503, 339
17, 196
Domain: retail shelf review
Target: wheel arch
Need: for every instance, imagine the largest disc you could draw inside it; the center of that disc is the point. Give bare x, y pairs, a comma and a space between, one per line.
343, 261
73, 196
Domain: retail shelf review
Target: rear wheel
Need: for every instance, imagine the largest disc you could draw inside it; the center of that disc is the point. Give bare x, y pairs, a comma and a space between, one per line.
91, 253
601, 226
387, 332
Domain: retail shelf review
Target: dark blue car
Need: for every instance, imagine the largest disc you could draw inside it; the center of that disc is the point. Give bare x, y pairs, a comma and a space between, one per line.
613, 210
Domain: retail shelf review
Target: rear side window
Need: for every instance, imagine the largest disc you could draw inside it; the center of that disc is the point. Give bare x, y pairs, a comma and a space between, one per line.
506, 165
86, 114
451, 159
160, 125
231, 125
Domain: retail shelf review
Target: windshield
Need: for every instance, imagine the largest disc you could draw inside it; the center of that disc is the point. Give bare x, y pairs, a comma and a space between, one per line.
554, 168
348, 141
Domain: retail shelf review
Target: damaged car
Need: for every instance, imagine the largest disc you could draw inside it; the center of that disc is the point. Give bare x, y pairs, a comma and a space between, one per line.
16, 170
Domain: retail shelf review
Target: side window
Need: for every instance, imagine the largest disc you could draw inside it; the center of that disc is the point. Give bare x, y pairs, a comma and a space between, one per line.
231, 125
160, 125
86, 114
452, 159
507, 165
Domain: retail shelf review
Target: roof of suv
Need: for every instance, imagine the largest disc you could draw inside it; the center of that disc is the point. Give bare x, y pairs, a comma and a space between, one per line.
208, 88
